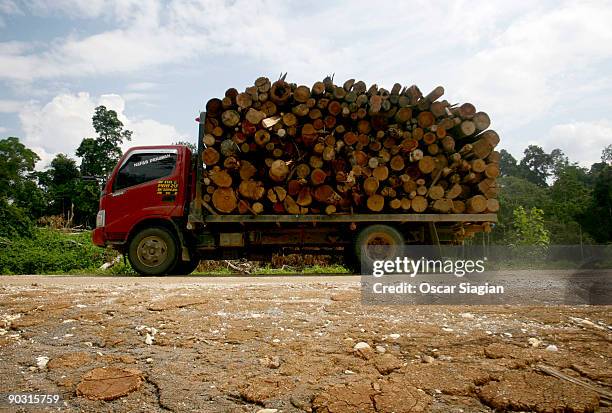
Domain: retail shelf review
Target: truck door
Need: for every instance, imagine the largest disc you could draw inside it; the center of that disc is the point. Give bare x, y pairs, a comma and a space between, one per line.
147, 184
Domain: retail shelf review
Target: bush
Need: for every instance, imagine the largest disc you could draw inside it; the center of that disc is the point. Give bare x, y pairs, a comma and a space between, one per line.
49, 251
14, 222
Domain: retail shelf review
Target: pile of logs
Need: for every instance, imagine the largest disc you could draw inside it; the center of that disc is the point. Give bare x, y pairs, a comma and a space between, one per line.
281, 148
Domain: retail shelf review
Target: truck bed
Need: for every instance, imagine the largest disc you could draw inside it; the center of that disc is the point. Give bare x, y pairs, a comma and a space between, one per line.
353, 218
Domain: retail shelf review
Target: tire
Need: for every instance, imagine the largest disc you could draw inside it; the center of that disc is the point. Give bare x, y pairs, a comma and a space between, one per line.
377, 235
153, 251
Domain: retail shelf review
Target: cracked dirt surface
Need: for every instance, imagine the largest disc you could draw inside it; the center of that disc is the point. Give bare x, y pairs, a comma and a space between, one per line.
288, 343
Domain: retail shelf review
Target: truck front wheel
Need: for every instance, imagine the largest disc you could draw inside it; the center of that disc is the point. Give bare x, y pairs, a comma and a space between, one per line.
153, 251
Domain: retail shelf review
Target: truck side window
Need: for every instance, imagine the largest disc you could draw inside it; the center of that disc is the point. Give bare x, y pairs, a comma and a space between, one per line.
144, 167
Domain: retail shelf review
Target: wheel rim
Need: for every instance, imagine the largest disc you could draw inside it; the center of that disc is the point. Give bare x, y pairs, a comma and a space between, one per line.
379, 246
152, 251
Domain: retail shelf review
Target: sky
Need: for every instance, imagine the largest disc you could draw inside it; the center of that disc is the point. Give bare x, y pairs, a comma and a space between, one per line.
541, 70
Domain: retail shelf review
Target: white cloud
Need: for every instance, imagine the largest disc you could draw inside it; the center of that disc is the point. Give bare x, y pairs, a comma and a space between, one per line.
61, 124
3, 129
10, 106
9, 7
582, 141
530, 66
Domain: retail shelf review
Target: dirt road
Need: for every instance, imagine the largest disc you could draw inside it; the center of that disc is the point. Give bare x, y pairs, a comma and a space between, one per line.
295, 344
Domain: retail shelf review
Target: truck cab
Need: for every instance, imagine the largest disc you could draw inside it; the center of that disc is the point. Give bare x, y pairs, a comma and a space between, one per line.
146, 197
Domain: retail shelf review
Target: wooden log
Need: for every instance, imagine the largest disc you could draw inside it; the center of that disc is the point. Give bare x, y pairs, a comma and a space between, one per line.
230, 118
278, 170
435, 94
221, 178
318, 176
381, 172
409, 186
304, 197
397, 163
465, 128
443, 205
481, 121
291, 206
491, 170
478, 165
438, 108
465, 111
301, 94
405, 203
425, 119
280, 92
244, 100
294, 186
489, 188
403, 115
370, 185
224, 200
458, 207
300, 110
255, 116
375, 203
251, 189
419, 204
435, 192
276, 194
318, 88
208, 140
494, 157
427, 164
476, 204
257, 208
262, 137
453, 192
326, 194
315, 162
210, 156
492, 205
231, 163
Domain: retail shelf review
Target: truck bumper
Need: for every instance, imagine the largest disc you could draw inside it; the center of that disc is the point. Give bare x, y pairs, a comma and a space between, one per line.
97, 236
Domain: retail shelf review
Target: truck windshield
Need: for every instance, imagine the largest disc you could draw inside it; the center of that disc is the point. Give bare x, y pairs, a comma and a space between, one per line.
144, 167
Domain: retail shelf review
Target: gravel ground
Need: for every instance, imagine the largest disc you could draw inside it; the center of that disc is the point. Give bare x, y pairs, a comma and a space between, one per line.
291, 344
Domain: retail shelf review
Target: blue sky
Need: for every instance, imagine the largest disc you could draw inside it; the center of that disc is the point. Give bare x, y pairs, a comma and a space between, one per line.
542, 70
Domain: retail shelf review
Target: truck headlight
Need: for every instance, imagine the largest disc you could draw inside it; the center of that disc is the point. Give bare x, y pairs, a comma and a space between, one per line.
100, 219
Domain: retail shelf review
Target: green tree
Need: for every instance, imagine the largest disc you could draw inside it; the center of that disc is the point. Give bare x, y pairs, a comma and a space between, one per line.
61, 180
100, 155
508, 164
16, 164
606, 155
516, 192
98, 158
597, 217
19, 193
529, 231
537, 166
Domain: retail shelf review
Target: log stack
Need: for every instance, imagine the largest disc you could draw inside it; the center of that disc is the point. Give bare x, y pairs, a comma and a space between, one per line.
283, 148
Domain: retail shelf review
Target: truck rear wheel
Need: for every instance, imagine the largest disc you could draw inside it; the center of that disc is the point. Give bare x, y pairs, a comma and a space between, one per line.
377, 242
153, 251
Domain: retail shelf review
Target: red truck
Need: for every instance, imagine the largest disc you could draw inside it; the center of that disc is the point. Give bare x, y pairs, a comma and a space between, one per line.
150, 210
